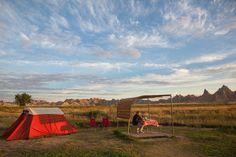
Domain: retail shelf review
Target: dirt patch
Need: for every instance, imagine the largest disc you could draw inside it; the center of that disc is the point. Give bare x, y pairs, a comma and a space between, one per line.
12, 148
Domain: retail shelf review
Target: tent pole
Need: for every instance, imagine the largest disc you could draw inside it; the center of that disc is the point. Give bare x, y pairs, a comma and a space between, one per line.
172, 123
117, 123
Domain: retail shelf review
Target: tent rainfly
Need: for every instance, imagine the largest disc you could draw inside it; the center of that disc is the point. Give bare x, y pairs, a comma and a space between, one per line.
37, 122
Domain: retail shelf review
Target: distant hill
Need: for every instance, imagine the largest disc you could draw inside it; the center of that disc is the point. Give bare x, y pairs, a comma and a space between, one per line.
223, 94
75, 102
206, 96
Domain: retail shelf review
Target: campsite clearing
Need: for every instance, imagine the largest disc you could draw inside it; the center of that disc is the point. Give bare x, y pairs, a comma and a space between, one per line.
210, 131
103, 142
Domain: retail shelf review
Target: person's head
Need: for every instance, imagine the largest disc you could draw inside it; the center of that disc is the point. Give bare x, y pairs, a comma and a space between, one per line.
137, 112
145, 114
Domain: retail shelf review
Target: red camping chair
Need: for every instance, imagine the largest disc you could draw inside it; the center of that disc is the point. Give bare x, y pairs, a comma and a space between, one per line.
105, 122
93, 122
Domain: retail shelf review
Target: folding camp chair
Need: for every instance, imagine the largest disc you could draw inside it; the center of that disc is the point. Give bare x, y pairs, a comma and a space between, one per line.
105, 122
93, 122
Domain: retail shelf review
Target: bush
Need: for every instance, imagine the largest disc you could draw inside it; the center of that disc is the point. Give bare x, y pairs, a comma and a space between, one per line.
95, 114
22, 99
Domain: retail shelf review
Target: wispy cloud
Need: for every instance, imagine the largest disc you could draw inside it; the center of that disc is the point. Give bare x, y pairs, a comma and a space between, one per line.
137, 8
116, 46
132, 52
130, 43
140, 39
100, 17
177, 76
3, 53
212, 57
103, 65
111, 52
65, 42
18, 26
228, 68
38, 80
155, 65
182, 18
225, 20
98, 66
58, 21
223, 30
207, 58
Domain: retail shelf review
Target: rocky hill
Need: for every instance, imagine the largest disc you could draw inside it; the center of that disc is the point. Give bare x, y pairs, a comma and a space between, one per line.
223, 94
206, 96
69, 102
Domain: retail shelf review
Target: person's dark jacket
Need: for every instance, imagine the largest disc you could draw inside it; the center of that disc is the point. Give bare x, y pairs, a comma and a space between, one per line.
136, 119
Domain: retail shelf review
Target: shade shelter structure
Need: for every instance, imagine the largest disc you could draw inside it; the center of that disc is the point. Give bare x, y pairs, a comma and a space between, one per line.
124, 109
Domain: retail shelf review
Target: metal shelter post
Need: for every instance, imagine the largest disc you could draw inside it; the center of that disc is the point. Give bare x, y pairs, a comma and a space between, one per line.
172, 123
148, 109
117, 122
128, 126
149, 117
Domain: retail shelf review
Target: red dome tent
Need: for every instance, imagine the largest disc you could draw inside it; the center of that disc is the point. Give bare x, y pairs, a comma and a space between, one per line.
36, 122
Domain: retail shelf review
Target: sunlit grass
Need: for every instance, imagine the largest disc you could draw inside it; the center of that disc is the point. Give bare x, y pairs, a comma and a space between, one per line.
212, 133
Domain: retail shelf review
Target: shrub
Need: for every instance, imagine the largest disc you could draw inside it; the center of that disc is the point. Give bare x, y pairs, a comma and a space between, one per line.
22, 99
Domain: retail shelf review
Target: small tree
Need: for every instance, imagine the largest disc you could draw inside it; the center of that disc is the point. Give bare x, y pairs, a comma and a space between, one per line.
22, 99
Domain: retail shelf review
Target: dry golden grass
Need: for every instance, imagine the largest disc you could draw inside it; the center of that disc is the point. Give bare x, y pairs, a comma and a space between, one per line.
190, 141
206, 115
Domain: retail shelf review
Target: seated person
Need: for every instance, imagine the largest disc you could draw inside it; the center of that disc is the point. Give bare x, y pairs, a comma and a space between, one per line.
138, 121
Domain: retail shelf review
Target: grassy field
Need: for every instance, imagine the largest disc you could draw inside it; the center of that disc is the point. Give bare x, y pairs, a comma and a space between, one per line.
202, 130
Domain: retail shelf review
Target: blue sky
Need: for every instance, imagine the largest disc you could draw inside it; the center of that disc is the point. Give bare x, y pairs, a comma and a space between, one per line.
56, 49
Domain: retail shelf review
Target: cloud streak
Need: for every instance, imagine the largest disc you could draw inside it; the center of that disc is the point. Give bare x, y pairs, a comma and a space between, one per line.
184, 19
103, 65
65, 47
212, 57
142, 39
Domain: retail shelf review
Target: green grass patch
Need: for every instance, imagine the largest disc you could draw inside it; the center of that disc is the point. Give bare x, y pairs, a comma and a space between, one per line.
77, 152
213, 143
220, 148
122, 136
228, 130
